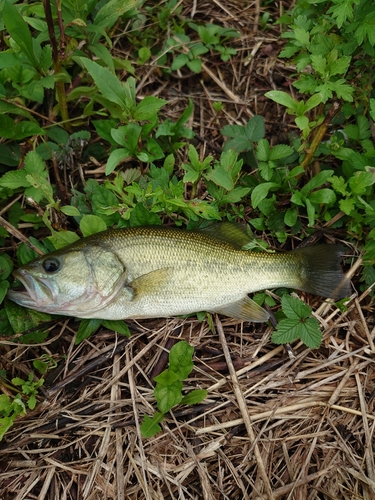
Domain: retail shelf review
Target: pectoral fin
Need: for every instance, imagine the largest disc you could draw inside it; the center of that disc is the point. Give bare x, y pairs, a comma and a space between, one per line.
149, 283
245, 309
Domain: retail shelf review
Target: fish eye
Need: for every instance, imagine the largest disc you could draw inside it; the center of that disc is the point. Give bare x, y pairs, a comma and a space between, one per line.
51, 265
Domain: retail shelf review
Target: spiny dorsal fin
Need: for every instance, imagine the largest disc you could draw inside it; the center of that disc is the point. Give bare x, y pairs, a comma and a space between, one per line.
236, 234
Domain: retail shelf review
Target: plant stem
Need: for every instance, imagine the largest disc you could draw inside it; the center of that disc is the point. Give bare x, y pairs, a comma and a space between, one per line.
60, 88
319, 135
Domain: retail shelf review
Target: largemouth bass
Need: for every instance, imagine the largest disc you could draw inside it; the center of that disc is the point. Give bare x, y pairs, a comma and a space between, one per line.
146, 272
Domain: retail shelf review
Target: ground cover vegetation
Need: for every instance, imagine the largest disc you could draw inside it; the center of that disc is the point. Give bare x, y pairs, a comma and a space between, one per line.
127, 113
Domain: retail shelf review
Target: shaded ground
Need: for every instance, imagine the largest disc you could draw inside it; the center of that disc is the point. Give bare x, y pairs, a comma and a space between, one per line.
275, 424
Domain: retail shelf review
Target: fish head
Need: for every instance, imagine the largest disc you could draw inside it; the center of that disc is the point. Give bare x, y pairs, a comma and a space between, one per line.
76, 282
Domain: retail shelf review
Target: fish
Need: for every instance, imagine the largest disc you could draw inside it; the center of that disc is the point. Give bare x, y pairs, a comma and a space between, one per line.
157, 271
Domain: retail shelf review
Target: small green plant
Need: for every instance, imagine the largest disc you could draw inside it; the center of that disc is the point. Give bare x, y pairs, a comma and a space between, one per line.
168, 390
298, 324
11, 408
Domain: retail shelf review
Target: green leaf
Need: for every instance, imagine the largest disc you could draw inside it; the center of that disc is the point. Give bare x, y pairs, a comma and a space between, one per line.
61, 239
167, 378
71, 211
180, 359
4, 285
86, 328
282, 98
291, 217
92, 224
6, 267
361, 181
19, 31
108, 84
14, 179
140, 216
302, 122
294, 308
115, 158
150, 426
194, 397
261, 191
220, 177
5, 424
317, 181
323, 196
179, 62
148, 108
263, 150
347, 205
22, 319
280, 151
117, 326
195, 65
168, 396
255, 128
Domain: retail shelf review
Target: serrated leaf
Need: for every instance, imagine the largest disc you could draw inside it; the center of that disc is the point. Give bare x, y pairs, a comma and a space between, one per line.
180, 359
255, 128
347, 205
307, 330
294, 308
280, 151
360, 181
263, 150
14, 179
150, 426
168, 396
194, 397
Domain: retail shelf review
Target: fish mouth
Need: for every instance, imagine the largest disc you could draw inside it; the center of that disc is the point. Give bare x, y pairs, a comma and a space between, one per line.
30, 291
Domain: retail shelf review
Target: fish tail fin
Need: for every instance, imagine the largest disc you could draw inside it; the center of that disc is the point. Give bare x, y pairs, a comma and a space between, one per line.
321, 272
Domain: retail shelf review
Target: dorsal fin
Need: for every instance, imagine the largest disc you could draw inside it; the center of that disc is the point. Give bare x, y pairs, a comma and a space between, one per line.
231, 232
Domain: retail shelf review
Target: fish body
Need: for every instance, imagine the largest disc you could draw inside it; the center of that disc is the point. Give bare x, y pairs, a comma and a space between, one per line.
147, 272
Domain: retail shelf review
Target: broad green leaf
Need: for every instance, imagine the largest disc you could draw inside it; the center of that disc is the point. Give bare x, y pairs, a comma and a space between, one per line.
117, 326
280, 151
179, 62
255, 128
92, 224
140, 216
263, 150
14, 179
180, 359
317, 181
314, 101
168, 396
61, 239
107, 83
19, 31
70, 211
221, 177
166, 378
111, 11
282, 98
148, 108
294, 308
22, 319
5, 267
291, 217
324, 196
115, 158
361, 181
195, 65
235, 195
261, 191
302, 122
5, 424
4, 285
86, 328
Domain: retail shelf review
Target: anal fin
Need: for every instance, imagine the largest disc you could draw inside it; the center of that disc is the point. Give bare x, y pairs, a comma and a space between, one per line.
245, 309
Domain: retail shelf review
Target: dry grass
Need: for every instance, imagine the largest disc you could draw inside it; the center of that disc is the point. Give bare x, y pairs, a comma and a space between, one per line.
277, 424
